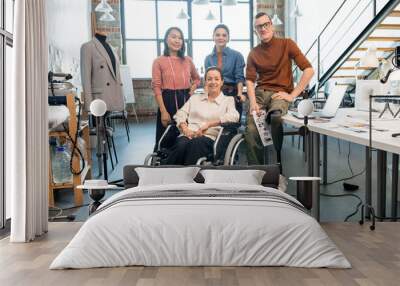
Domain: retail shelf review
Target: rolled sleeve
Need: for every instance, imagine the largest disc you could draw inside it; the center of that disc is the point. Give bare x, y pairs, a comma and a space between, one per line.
298, 57
239, 68
156, 80
182, 114
251, 71
231, 114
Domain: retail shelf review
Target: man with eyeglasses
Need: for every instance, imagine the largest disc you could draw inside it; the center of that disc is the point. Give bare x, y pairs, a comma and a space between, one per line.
269, 65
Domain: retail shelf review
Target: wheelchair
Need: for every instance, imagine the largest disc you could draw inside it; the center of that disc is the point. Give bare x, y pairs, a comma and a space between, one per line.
277, 136
227, 132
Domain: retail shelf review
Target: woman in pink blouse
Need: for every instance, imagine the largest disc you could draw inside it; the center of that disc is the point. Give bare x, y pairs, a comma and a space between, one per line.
174, 79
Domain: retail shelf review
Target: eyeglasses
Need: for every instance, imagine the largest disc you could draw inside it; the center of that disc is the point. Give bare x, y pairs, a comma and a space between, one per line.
265, 26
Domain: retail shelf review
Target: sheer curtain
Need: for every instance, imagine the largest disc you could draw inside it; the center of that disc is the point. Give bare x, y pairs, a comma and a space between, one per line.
26, 124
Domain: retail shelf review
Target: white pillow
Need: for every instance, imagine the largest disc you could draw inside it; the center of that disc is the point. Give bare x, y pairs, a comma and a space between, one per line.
166, 176
248, 177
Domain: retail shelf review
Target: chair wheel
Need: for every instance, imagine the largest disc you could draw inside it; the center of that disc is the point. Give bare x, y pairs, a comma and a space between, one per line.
361, 222
372, 227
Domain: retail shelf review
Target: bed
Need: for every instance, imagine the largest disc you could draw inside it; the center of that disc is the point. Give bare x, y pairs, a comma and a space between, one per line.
201, 224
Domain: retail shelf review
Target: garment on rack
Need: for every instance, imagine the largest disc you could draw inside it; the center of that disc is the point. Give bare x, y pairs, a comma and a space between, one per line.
100, 77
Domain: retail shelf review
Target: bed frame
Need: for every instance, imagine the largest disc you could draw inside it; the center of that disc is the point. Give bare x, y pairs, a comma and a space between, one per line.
270, 179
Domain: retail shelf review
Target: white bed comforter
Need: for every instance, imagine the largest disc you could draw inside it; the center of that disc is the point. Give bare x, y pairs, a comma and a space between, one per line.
183, 231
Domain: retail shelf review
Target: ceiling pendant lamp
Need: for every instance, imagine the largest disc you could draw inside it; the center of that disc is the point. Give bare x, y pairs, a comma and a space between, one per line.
275, 19
210, 16
183, 15
200, 2
107, 17
103, 6
228, 2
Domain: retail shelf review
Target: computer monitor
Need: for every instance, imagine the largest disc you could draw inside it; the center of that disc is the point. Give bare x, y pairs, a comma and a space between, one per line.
365, 88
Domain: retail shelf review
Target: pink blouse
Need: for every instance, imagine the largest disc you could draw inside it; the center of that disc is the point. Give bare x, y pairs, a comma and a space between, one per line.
173, 73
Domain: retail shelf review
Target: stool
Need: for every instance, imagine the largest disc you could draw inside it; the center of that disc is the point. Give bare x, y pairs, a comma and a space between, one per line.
304, 191
96, 193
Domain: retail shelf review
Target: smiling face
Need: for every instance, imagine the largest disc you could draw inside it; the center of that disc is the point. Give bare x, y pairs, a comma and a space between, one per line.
214, 82
174, 40
221, 38
264, 28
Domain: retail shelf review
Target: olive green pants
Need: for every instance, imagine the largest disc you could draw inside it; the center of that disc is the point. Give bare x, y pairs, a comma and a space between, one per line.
255, 148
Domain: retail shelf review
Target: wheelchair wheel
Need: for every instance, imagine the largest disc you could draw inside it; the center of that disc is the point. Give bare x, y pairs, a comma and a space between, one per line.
232, 150
152, 160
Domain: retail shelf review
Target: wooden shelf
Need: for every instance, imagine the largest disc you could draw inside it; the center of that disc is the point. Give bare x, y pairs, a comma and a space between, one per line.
62, 185
71, 133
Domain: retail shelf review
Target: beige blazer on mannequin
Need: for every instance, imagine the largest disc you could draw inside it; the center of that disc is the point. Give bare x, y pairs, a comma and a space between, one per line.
98, 77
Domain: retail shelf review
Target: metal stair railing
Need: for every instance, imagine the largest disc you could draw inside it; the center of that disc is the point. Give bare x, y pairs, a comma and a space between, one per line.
347, 29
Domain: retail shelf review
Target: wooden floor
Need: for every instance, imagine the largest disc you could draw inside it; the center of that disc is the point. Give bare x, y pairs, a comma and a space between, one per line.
374, 255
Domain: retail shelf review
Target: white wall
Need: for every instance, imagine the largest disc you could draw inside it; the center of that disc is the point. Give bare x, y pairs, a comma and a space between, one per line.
316, 14
68, 23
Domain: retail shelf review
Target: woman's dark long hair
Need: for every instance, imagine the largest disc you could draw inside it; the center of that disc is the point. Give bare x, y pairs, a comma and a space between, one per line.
222, 26
181, 52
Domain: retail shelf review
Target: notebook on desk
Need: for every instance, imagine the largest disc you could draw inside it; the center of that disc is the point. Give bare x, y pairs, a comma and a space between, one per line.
331, 106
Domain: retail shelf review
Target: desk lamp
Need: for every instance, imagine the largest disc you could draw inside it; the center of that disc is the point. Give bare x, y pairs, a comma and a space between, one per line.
305, 108
393, 74
98, 108
396, 67
304, 188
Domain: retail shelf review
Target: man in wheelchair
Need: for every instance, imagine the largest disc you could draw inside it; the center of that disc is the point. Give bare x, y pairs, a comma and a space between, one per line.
203, 126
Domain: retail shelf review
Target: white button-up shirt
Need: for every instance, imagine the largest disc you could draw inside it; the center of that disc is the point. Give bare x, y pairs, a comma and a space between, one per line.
199, 110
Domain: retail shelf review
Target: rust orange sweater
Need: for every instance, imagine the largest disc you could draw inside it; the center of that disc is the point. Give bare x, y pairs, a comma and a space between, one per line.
270, 64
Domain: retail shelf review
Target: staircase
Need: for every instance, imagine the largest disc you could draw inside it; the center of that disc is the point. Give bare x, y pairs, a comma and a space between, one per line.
356, 26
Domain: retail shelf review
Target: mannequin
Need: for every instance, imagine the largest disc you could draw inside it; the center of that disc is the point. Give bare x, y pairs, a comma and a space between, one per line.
102, 37
100, 74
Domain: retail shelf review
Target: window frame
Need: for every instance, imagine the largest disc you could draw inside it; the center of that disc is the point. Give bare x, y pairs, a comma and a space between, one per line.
158, 38
6, 39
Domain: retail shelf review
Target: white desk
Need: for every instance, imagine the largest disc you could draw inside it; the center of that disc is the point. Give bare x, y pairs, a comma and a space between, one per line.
381, 140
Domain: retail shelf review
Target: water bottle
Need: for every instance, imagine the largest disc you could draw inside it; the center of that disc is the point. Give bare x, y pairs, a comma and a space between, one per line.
60, 164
